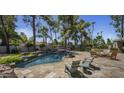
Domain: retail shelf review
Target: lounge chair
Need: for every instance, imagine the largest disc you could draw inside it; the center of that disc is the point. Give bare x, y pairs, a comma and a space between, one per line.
86, 64
73, 67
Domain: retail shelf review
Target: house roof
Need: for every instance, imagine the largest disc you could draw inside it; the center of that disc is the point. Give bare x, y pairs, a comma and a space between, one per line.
119, 40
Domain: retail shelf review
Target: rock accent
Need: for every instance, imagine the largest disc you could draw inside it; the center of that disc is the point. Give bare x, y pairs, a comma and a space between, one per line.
69, 56
26, 58
12, 65
6, 71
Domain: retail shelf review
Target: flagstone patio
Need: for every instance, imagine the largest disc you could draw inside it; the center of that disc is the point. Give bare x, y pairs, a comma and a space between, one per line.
108, 68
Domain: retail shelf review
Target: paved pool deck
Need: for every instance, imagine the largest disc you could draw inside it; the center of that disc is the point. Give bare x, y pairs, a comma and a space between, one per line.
107, 68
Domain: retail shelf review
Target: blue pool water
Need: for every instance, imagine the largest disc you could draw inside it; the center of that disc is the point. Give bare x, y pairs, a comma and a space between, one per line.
47, 58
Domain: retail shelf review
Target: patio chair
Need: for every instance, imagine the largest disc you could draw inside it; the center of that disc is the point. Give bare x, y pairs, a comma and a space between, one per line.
114, 53
86, 64
93, 52
73, 67
72, 70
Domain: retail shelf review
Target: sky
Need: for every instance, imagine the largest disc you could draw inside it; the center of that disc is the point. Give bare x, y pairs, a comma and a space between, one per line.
102, 23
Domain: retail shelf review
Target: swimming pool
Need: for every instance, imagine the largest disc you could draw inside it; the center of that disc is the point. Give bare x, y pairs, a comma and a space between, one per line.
44, 59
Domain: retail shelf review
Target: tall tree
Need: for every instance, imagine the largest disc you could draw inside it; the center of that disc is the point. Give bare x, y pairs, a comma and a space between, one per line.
83, 26
8, 29
56, 28
5, 34
67, 26
118, 23
99, 41
109, 41
43, 33
31, 20
92, 23
51, 24
34, 31
23, 37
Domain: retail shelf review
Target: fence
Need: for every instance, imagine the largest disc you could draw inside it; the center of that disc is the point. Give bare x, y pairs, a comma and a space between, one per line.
20, 48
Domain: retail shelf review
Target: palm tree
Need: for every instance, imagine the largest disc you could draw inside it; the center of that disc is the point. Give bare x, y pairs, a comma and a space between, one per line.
56, 28
67, 23
51, 23
43, 32
75, 37
34, 32
118, 24
93, 23
122, 26
32, 22
82, 30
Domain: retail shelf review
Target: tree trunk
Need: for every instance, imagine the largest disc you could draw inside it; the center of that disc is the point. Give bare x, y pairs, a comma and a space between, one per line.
65, 42
3, 40
81, 40
122, 24
34, 33
51, 34
92, 33
5, 35
75, 42
28, 49
45, 40
55, 35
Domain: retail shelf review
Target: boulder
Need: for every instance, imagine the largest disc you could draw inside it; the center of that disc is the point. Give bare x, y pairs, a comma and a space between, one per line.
12, 65
7, 71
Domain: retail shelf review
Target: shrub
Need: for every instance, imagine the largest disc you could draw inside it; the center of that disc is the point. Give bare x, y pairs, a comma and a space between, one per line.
10, 59
29, 44
30, 54
42, 45
15, 51
55, 42
114, 49
54, 46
